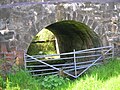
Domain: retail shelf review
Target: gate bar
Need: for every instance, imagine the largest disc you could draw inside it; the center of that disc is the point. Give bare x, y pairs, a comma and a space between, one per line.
94, 62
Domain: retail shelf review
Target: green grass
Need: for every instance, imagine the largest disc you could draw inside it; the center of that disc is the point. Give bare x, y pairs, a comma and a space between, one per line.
21, 81
103, 77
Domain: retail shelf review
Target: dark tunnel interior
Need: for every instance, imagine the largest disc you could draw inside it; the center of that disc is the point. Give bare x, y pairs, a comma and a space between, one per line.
74, 35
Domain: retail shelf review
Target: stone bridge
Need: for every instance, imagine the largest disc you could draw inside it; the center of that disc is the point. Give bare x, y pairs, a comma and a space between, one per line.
20, 22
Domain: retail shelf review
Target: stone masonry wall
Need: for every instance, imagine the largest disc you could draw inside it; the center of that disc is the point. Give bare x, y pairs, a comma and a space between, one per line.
27, 21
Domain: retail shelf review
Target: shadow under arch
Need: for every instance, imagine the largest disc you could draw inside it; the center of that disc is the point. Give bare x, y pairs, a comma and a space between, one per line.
72, 35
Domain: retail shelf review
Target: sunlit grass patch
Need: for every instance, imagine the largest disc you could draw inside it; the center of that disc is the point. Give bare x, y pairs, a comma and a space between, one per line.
104, 77
112, 83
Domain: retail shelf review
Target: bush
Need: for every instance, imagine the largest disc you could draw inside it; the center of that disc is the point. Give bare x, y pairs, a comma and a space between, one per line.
24, 80
46, 47
53, 81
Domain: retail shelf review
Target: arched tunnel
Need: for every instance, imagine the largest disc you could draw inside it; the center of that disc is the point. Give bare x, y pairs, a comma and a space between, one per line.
72, 35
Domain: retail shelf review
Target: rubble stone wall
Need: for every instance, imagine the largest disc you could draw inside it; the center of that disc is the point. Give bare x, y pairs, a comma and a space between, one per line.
26, 21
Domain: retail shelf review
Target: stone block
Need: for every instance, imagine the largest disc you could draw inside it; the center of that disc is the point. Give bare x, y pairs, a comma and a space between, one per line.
79, 17
4, 13
94, 25
27, 37
90, 22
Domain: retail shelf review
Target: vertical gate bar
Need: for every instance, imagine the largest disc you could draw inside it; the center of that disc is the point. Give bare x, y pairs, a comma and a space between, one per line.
113, 52
94, 62
75, 63
103, 55
25, 60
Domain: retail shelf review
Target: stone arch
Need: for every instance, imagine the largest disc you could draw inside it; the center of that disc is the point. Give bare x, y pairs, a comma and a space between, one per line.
71, 34
28, 21
81, 18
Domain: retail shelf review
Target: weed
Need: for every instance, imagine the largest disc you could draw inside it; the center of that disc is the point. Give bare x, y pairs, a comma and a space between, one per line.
104, 77
53, 81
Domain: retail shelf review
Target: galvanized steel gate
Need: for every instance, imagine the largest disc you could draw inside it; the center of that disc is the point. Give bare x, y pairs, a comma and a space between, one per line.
73, 63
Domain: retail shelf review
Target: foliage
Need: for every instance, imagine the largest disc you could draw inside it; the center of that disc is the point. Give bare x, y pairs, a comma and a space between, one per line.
42, 48
2, 82
24, 80
102, 77
106, 71
44, 34
9, 87
53, 81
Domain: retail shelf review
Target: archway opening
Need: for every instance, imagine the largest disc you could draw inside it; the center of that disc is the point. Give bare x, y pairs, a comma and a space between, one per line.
43, 43
70, 35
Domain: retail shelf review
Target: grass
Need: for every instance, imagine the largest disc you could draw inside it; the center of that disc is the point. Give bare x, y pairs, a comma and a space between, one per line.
25, 81
103, 77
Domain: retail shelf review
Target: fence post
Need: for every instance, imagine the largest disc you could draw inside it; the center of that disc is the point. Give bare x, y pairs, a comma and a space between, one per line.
75, 63
103, 55
113, 52
61, 73
25, 60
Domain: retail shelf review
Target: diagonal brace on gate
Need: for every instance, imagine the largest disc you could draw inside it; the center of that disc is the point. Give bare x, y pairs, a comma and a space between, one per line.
51, 66
93, 63
76, 65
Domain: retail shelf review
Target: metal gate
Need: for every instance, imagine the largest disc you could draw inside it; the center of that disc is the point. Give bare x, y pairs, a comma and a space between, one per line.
72, 64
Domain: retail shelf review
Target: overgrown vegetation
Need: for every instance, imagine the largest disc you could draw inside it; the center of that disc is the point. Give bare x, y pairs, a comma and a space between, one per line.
45, 47
53, 81
24, 81
103, 77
